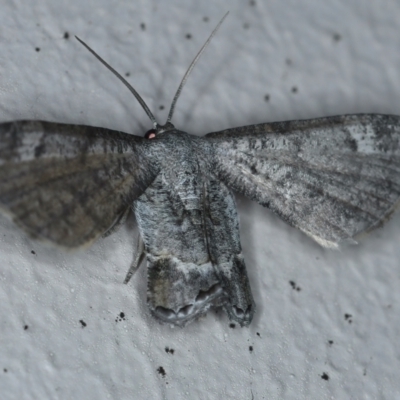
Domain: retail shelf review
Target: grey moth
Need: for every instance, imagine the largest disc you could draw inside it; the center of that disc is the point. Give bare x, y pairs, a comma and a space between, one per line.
333, 178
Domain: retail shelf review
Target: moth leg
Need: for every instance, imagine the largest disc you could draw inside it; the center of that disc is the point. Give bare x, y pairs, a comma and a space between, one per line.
117, 224
140, 253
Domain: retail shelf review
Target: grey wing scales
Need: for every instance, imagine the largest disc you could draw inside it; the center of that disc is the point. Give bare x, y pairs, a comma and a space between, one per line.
68, 184
333, 178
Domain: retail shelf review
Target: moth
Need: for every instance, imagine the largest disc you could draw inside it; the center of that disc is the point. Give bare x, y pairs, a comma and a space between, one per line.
333, 178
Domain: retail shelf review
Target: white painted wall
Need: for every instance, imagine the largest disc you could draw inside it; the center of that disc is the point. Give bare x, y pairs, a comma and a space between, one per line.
343, 56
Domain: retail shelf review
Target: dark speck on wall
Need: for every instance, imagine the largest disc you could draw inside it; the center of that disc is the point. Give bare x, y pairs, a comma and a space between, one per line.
83, 323
294, 286
232, 326
143, 26
330, 342
26, 327
325, 376
127, 74
258, 334
205, 19
5, 370
33, 251
66, 35
169, 351
161, 107
294, 89
188, 36
37, 49
348, 318
252, 2
251, 349
120, 317
337, 37
161, 371
266, 98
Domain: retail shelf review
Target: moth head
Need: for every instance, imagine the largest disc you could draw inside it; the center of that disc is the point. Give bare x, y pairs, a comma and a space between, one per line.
151, 134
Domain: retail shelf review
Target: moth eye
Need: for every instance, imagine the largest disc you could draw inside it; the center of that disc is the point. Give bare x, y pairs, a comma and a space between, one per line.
151, 134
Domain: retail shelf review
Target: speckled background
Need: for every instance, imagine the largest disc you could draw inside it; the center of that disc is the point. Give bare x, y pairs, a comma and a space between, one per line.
327, 324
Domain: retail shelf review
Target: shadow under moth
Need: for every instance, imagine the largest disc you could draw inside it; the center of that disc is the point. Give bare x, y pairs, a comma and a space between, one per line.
333, 178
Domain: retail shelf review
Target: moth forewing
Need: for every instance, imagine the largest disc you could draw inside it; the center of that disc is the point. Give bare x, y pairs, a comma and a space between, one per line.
70, 184
333, 178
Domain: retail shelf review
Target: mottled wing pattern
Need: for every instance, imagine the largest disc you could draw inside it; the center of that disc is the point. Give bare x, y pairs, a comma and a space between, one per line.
334, 178
68, 184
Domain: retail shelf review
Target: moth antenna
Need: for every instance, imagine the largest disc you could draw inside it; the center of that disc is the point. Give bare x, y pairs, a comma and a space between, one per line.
124, 81
191, 66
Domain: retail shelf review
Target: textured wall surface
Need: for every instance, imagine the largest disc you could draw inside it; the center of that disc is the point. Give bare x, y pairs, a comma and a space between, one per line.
327, 324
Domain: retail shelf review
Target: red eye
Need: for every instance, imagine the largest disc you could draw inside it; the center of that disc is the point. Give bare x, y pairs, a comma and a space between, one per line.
151, 134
